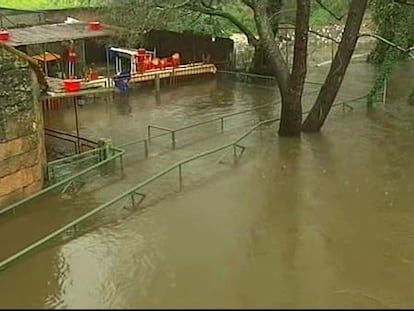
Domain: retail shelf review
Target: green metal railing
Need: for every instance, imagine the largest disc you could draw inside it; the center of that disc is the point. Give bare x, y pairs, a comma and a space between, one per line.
172, 132
116, 153
131, 194
169, 131
54, 167
78, 141
250, 77
222, 119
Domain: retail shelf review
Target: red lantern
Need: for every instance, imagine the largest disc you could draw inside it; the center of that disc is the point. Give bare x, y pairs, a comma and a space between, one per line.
4, 35
94, 26
72, 56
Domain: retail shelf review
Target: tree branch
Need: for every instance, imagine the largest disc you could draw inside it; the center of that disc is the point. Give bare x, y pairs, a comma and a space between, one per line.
248, 3
193, 6
173, 7
313, 32
323, 6
408, 51
406, 2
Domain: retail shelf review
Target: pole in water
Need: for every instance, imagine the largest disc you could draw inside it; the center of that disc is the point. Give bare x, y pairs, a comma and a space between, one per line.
75, 104
157, 83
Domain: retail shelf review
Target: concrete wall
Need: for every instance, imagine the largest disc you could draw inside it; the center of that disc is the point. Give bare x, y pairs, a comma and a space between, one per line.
22, 152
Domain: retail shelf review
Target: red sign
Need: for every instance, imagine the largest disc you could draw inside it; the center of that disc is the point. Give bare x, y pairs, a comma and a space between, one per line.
72, 56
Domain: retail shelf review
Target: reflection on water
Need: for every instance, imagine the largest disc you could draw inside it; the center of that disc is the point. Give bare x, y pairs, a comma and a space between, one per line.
321, 222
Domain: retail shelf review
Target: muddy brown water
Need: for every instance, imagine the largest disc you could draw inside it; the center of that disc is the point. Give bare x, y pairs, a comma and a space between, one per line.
325, 221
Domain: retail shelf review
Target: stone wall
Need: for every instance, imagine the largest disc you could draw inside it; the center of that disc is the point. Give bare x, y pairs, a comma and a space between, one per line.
22, 152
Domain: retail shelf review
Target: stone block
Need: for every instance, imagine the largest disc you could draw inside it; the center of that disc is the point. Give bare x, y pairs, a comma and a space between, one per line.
10, 148
22, 153
11, 198
19, 126
15, 163
18, 146
20, 179
32, 189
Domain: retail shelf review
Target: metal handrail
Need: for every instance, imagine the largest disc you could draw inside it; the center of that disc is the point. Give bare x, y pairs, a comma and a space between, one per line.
150, 137
71, 135
80, 157
76, 161
134, 190
70, 158
116, 153
255, 75
221, 118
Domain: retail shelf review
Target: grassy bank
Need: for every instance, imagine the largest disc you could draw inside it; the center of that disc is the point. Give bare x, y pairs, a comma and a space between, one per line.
45, 4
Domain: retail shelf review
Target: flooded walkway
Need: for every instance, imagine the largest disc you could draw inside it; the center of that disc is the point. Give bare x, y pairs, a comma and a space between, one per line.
321, 222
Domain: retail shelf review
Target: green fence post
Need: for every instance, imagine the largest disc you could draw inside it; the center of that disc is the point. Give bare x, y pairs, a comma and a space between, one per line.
180, 176
149, 133
105, 146
235, 154
146, 148
101, 147
173, 139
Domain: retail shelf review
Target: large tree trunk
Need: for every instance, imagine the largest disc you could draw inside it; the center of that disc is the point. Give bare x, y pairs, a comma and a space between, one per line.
291, 116
260, 60
333, 81
267, 38
259, 63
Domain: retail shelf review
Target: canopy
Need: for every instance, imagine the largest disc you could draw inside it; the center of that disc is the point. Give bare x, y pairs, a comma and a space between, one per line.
47, 57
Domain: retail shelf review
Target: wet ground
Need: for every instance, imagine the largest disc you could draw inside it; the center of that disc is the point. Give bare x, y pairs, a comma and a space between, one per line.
320, 222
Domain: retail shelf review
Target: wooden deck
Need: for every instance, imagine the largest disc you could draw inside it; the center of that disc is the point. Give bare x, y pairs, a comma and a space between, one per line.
184, 70
56, 94
56, 85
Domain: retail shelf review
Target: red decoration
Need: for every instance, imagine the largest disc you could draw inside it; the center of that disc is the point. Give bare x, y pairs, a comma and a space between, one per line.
4, 35
72, 56
94, 26
71, 85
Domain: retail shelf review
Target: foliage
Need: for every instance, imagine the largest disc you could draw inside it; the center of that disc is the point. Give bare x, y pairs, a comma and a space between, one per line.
321, 17
48, 4
189, 20
395, 22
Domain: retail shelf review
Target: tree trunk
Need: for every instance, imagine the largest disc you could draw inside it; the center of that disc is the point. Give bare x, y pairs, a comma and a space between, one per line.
267, 38
259, 62
333, 81
291, 116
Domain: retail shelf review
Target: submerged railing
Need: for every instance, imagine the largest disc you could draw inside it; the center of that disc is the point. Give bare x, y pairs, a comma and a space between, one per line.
78, 141
96, 154
169, 131
172, 131
54, 168
255, 79
108, 154
131, 194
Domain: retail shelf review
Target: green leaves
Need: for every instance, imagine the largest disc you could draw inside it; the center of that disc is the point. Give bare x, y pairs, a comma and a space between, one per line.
395, 22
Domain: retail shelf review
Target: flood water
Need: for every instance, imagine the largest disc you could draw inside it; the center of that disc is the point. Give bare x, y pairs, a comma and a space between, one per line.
324, 221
